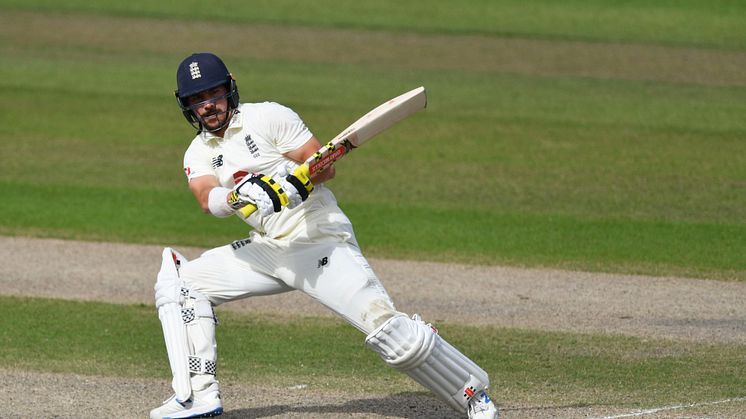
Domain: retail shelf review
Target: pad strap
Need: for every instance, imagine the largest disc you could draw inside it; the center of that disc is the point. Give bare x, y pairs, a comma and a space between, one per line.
199, 365
200, 307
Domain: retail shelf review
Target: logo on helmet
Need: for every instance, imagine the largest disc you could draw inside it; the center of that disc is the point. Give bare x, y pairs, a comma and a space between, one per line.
194, 70
202, 72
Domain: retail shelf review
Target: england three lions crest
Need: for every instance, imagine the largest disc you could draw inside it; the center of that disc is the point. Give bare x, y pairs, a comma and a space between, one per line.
253, 149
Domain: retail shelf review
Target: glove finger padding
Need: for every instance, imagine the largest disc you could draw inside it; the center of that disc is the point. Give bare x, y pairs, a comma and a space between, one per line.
297, 184
302, 181
264, 192
294, 198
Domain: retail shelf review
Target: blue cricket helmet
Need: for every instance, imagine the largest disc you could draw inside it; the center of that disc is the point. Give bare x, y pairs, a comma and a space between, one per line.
199, 72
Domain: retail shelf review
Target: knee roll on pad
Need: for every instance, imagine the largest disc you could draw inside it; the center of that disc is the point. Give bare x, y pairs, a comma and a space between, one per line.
416, 349
168, 285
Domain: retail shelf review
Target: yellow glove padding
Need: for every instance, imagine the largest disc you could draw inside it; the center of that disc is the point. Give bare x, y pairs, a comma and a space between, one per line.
300, 179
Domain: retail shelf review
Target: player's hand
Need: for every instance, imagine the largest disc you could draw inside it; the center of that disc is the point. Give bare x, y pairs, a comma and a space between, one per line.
264, 192
296, 183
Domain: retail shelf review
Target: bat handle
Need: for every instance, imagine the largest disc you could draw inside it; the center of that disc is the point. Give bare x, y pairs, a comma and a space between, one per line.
247, 210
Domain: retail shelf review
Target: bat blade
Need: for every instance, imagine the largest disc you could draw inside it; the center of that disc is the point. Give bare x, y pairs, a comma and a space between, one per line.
368, 126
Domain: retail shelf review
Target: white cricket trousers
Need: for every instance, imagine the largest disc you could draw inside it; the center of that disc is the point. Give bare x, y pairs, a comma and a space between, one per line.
328, 267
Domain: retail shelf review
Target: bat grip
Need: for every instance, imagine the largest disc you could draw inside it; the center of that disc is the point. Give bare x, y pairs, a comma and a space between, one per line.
302, 172
247, 210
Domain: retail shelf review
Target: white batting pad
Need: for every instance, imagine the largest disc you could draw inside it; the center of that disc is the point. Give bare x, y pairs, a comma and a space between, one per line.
200, 329
174, 333
169, 302
416, 349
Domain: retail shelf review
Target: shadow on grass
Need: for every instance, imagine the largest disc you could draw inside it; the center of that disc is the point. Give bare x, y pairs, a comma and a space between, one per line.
402, 405
411, 405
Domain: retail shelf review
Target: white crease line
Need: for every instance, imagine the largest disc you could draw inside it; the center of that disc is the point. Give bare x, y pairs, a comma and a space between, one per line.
683, 406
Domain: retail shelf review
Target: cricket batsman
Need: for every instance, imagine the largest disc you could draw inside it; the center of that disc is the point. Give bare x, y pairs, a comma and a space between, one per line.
246, 153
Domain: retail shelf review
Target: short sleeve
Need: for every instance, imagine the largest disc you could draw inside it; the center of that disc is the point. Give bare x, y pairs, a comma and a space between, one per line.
287, 129
196, 164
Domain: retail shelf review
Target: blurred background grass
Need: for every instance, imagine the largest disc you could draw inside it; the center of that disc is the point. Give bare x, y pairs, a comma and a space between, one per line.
586, 135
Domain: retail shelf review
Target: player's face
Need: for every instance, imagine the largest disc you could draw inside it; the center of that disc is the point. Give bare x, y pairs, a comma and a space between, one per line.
210, 106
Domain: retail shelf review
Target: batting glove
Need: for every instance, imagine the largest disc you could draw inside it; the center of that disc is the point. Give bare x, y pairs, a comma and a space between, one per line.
296, 183
264, 192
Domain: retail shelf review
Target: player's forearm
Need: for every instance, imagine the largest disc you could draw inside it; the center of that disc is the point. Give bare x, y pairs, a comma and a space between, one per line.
208, 193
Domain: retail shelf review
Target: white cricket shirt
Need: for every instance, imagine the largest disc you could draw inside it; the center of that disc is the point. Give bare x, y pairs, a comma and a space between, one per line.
256, 138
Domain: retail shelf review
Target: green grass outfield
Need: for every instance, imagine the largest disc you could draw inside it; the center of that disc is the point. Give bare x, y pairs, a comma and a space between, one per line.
592, 135
533, 367
581, 145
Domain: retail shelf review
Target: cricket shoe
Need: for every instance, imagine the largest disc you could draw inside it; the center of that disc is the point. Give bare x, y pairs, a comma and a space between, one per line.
203, 404
481, 407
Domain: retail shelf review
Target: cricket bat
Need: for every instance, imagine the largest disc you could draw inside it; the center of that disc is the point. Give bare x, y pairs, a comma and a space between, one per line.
357, 134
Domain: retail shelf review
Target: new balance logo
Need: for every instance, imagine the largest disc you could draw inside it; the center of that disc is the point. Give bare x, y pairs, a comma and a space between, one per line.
194, 70
217, 161
237, 244
323, 262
